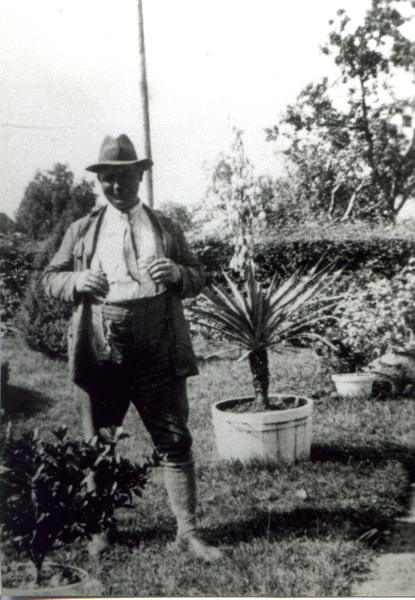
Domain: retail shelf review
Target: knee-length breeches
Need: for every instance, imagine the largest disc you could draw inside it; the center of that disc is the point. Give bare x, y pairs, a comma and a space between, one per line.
140, 370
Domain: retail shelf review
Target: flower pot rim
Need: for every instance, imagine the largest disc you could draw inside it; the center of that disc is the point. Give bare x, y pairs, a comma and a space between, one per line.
288, 414
46, 590
354, 377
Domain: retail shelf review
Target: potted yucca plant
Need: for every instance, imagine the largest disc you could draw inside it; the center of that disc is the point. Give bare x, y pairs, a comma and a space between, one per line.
257, 320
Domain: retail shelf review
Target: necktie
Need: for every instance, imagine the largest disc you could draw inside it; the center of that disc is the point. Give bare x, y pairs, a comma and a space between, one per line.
130, 253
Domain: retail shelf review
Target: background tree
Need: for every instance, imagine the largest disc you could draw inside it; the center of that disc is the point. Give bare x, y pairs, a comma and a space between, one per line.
51, 202
352, 141
7, 225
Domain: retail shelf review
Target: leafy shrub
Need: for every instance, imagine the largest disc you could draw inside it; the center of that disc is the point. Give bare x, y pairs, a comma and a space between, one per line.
43, 320
24, 305
376, 318
215, 255
53, 493
16, 264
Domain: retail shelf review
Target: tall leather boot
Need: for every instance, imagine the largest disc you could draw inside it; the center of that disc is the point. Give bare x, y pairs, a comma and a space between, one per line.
180, 482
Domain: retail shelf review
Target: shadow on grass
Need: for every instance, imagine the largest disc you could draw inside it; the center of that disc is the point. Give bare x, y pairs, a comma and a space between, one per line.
312, 522
132, 539
403, 538
273, 526
352, 453
21, 402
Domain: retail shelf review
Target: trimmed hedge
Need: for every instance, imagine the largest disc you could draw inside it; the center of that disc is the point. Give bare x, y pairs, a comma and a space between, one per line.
383, 257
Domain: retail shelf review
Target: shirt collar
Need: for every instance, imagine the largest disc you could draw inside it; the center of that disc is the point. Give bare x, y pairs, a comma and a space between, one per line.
137, 209
115, 213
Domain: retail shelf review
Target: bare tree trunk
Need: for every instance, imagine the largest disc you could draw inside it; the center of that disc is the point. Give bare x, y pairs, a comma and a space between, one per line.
352, 201
332, 201
258, 361
405, 186
367, 132
401, 204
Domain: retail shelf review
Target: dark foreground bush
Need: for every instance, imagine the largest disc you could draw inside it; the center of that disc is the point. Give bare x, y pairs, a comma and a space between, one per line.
53, 493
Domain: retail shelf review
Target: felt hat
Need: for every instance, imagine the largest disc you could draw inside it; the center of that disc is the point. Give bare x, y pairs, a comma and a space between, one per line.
118, 152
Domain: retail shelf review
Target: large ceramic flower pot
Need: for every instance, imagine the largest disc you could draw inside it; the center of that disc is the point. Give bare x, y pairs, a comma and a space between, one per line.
281, 436
351, 385
86, 586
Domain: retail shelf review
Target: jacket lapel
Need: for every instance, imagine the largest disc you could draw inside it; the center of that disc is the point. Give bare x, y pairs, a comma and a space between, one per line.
90, 235
166, 236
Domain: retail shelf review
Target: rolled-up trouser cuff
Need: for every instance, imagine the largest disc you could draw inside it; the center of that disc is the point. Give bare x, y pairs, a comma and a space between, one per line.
176, 465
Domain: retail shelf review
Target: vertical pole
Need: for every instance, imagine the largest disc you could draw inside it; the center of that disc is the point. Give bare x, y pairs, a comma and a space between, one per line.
144, 101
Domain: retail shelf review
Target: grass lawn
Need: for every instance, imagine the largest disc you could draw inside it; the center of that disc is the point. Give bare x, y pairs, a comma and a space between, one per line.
310, 529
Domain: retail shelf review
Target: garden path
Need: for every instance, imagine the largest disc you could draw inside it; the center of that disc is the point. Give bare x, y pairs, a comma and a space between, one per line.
394, 572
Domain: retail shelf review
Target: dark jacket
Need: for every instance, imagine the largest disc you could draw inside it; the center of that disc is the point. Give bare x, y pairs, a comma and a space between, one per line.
75, 255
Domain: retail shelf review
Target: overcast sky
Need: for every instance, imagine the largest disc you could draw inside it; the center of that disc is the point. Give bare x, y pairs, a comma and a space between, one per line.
69, 72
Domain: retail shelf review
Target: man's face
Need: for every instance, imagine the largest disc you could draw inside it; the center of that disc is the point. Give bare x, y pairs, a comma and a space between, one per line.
120, 185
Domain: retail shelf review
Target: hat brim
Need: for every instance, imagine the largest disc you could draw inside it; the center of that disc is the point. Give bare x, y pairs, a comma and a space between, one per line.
145, 164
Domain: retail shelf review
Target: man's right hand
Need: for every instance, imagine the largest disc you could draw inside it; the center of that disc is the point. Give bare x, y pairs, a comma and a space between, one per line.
92, 282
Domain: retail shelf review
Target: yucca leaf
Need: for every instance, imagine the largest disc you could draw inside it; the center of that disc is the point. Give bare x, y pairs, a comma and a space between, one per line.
220, 311
246, 306
220, 314
333, 299
316, 336
244, 355
304, 290
256, 301
240, 301
299, 300
277, 295
295, 330
225, 325
222, 299
238, 339
219, 353
306, 321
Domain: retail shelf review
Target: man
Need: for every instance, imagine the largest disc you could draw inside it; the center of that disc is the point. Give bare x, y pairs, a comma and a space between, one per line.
126, 268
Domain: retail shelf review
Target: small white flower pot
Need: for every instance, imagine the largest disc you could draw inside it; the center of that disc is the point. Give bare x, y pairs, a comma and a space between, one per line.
351, 385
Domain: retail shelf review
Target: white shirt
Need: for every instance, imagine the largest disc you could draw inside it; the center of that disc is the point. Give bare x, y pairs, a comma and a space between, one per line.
109, 253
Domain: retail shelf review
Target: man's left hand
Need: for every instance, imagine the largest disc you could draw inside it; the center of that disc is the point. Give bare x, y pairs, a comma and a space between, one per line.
164, 270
